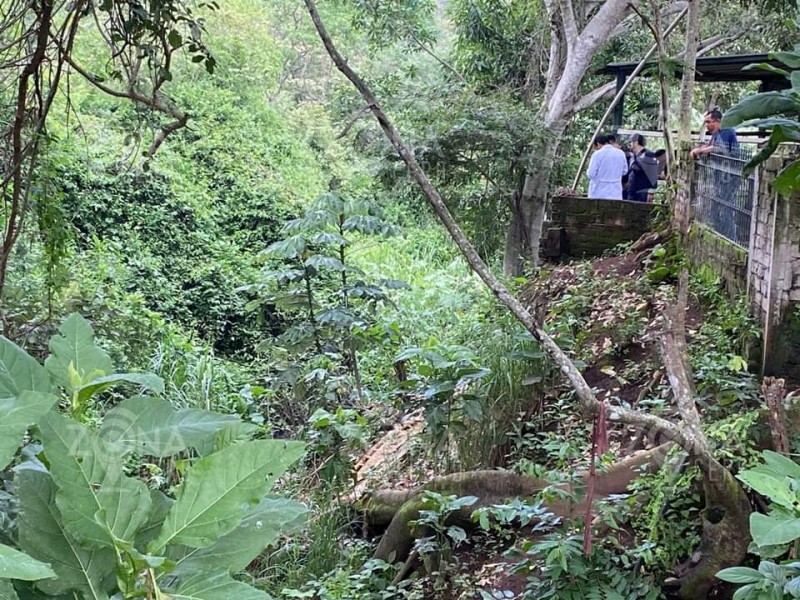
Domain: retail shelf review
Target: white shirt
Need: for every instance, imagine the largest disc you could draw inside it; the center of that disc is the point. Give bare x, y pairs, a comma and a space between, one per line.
606, 169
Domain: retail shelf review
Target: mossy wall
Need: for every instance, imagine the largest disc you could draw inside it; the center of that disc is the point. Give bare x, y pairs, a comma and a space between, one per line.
582, 227
729, 261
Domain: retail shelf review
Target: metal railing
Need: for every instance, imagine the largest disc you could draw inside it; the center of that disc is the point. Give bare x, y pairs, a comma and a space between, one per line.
723, 198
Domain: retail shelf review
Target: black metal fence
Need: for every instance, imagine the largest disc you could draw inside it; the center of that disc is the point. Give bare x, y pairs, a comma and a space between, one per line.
723, 198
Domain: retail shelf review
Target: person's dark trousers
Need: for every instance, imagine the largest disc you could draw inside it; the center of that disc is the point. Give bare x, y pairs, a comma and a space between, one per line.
640, 196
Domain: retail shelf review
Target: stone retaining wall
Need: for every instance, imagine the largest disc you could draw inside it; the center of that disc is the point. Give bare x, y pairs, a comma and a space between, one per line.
580, 227
728, 260
773, 283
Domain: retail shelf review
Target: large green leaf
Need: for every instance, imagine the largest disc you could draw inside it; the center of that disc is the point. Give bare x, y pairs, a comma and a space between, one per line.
739, 575
151, 426
74, 351
767, 104
771, 123
776, 489
788, 180
19, 371
213, 586
291, 247
43, 535
16, 415
214, 496
766, 67
18, 565
150, 381
7, 591
780, 465
26, 591
258, 530
98, 503
789, 132
770, 530
160, 504
789, 58
238, 432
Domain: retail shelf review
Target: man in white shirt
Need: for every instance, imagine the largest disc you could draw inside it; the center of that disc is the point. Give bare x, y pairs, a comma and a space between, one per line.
606, 168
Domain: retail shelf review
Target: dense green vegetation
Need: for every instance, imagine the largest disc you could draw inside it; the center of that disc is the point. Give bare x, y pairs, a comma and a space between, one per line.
203, 336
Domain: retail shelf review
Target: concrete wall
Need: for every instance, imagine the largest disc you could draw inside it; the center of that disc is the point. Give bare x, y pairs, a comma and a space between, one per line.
773, 283
729, 261
587, 227
769, 272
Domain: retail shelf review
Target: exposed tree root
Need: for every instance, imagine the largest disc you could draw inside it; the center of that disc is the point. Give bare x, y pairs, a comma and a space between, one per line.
399, 508
726, 527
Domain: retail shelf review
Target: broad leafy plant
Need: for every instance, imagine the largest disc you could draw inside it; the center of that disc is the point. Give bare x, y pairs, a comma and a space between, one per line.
440, 537
778, 111
774, 534
86, 528
332, 436
562, 571
329, 302
444, 377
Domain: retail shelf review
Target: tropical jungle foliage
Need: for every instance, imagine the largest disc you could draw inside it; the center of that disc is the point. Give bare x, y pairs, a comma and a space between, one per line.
220, 293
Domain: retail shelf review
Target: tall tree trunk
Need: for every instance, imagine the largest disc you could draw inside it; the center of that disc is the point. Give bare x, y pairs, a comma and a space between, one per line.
681, 215
571, 53
528, 207
690, 60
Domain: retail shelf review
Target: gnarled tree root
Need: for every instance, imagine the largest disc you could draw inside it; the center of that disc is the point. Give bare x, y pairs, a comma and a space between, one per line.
726, 535
399, 508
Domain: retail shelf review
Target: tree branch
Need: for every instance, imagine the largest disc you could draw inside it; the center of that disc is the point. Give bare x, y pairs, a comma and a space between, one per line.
715, 42
157, 102
606, 91
557, 51
687, 81
570, 23
620, 94
673, 354
438, 59
352, 121
579, 56
598, 94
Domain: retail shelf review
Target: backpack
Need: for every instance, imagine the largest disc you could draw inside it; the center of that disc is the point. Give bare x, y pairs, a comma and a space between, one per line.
647, 164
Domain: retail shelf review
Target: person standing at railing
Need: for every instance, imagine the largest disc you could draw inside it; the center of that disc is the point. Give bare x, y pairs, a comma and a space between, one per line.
723, 150
606, 168
723, 141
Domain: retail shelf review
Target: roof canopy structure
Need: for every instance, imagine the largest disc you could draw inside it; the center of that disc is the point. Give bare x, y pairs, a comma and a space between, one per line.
710, 69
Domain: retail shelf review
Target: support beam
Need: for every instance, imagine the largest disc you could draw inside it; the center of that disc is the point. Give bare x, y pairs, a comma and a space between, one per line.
619, 109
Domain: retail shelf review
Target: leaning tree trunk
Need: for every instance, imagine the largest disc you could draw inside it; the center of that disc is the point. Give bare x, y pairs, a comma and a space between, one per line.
726, 515
681, 214
726, 525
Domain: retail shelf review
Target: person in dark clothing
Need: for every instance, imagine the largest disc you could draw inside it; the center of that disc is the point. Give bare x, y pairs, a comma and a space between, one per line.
723, 141
661, 157
721, 152
642, 170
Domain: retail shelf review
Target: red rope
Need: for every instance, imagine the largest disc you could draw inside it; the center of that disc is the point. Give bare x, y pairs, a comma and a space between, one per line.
599, 447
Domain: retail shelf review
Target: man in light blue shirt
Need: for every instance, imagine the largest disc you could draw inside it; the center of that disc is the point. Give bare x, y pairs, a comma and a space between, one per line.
606, 168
